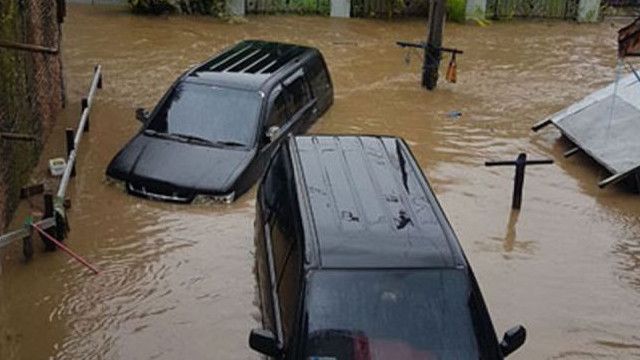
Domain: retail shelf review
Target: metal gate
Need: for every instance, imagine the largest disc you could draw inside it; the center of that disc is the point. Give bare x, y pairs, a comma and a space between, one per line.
559, 9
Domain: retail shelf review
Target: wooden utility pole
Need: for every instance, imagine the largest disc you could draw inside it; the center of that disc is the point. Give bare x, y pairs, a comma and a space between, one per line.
433, 46
433, 51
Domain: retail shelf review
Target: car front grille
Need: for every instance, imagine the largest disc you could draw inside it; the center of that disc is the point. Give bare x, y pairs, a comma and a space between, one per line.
159, 192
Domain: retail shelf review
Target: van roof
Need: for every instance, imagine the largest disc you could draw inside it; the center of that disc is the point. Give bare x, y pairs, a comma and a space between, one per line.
366, 204
248, 64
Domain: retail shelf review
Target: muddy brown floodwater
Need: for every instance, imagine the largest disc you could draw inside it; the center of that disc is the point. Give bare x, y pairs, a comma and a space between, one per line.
177, 281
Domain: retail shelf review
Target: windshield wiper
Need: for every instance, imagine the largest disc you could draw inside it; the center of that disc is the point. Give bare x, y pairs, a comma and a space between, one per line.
196, 139
192, 139
163, 135
229, 143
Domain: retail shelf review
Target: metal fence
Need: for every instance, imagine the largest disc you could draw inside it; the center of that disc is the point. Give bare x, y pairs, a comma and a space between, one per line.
288, 6
622, 3
560, 9
31, 88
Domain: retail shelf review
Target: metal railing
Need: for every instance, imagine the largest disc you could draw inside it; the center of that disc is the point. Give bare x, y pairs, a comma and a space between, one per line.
54, 218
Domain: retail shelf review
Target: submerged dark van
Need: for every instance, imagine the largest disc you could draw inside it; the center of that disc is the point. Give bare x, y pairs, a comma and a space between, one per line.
213, 132
356, 260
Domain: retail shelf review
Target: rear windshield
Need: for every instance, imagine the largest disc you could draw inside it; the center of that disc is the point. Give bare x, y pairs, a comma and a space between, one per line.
214, 113
389, 315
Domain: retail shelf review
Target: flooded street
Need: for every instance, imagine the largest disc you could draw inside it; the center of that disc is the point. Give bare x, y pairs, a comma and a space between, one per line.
177, 281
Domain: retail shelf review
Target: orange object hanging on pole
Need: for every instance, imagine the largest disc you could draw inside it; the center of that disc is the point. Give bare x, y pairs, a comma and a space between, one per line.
452, 70
66, 249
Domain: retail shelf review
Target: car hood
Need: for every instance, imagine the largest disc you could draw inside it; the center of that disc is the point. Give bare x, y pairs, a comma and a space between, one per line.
147, 160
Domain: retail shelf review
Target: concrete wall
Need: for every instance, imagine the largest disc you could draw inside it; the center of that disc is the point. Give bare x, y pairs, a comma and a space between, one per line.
236, 7
341, 8
589, 10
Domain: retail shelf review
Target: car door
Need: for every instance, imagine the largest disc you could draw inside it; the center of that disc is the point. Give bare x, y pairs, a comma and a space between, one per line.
277, 116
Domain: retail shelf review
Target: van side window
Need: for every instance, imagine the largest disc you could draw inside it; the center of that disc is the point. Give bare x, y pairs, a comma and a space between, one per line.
278, 114
280, 204
298, 94
316, 70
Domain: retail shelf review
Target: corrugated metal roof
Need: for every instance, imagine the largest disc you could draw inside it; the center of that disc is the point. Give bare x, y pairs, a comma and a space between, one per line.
371, 206
610, 137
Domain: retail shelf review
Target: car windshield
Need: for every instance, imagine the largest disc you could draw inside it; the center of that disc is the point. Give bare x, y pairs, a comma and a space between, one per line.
209, 113
372, 315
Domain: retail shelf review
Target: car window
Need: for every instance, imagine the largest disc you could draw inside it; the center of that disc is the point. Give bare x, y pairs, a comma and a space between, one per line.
318, 77
297, 94
213, 113
402, 314
288, 265
262, 267
278, 113
280, 205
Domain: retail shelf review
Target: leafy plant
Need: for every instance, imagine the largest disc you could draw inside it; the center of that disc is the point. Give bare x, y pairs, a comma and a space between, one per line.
205, 7
456, 10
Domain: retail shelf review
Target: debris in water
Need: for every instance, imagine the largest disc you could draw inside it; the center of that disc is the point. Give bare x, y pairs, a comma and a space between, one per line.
454, 114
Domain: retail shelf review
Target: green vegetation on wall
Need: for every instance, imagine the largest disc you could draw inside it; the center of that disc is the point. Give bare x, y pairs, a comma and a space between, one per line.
205, 7
507, 9
18, 158
389, 8
456, 10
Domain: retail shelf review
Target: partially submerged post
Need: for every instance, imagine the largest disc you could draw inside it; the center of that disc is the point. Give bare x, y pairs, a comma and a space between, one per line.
432, 52
70, 146
520, 163
48, 213
27, 241
433, 47
83, 105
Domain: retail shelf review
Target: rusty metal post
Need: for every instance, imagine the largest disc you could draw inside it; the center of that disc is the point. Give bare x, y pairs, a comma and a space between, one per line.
70, 146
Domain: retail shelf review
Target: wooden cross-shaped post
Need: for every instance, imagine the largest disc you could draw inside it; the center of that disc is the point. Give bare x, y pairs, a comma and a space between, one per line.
520, 163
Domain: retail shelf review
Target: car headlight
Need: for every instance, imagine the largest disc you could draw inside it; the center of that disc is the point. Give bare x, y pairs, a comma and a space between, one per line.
224, 199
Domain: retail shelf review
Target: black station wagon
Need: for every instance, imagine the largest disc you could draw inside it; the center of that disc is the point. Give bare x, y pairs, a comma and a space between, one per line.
356, 260
213, 132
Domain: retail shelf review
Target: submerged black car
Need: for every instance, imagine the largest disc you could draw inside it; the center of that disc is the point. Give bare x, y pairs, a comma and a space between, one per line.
213, 132
355, 259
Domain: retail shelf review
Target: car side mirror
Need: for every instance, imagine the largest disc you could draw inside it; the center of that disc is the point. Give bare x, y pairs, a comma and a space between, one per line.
272, 132
264, 342
142, 115
513, 339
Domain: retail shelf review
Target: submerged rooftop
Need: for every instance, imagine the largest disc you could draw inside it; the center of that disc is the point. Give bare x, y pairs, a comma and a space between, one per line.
606, 126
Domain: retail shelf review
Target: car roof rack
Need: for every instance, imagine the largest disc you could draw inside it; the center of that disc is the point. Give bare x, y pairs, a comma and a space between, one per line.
253, 57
